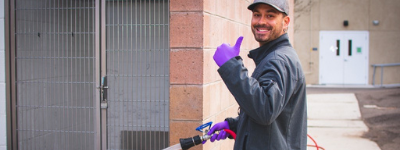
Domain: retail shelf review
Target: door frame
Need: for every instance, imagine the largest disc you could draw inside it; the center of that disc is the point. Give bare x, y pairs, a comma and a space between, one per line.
103, 70
98, 52
9, 23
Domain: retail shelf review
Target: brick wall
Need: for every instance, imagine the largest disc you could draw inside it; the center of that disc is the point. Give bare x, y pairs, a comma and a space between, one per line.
197, 93
186, 73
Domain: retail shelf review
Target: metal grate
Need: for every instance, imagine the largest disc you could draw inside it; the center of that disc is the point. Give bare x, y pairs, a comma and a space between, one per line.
55, 74
57, 68
137, 35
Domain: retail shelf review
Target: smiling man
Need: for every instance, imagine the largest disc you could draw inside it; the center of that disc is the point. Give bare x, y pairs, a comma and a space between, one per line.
268, 23
273, 109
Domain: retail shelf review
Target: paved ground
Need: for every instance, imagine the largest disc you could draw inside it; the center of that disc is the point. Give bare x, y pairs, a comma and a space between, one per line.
334, 121
380, 111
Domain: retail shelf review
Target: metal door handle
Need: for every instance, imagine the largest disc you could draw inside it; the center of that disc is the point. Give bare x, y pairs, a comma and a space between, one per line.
103, 92
337, 47
350, 46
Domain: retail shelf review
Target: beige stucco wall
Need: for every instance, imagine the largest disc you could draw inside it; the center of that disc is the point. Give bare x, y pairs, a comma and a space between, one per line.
313, 16
197, 93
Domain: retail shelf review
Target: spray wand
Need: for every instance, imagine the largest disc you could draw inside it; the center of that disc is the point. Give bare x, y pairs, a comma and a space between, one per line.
186, 143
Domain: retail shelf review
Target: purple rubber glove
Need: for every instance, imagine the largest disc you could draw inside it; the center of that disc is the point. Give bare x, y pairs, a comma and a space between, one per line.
218, 127
225, 52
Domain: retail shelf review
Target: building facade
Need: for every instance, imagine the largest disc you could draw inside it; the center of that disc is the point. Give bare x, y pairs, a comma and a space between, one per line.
366, 33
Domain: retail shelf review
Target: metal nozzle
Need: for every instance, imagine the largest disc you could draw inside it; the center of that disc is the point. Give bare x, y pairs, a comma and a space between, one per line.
192, 141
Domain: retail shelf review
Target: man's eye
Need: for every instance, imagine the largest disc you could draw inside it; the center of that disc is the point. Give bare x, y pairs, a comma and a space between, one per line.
256, 15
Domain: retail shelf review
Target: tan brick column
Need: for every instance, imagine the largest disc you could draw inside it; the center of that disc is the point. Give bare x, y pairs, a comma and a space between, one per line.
186, 69
197, 93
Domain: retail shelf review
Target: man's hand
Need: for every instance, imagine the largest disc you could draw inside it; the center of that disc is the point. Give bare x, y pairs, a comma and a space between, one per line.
225, 52
218, 127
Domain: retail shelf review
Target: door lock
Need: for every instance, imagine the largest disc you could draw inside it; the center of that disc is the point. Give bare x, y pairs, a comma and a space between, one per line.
103, 92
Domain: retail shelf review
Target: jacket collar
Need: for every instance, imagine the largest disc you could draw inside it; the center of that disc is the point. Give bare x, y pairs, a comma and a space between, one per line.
258, 54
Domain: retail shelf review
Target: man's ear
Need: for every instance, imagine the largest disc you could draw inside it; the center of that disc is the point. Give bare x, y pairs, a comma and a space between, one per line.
286, 21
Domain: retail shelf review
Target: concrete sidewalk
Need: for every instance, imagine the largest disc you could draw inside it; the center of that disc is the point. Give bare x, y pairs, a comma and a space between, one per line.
334, 121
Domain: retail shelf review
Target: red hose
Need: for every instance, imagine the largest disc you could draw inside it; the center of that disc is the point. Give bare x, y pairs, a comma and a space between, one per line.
316, 145
233, 134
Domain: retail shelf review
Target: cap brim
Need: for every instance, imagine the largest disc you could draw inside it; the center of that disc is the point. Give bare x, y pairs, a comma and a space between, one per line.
251, 6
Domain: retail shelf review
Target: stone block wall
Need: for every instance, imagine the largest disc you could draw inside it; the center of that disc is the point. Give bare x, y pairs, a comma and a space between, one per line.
197, 93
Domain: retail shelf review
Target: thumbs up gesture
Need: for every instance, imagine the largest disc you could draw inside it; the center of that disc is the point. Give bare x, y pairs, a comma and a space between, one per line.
225, 52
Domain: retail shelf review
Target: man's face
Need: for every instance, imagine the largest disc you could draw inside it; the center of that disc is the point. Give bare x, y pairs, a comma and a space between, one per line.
267, 23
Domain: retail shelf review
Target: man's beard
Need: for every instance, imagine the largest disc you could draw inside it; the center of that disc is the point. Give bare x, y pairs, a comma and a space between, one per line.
274, 33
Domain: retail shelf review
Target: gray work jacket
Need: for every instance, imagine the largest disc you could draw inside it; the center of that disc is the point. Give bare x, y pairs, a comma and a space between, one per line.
273, 109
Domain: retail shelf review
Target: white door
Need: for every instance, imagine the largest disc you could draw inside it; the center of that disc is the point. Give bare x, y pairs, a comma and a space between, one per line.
343, 57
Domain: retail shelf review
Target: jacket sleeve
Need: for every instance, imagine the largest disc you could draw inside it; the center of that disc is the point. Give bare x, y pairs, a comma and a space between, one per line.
263, 99
232, 125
